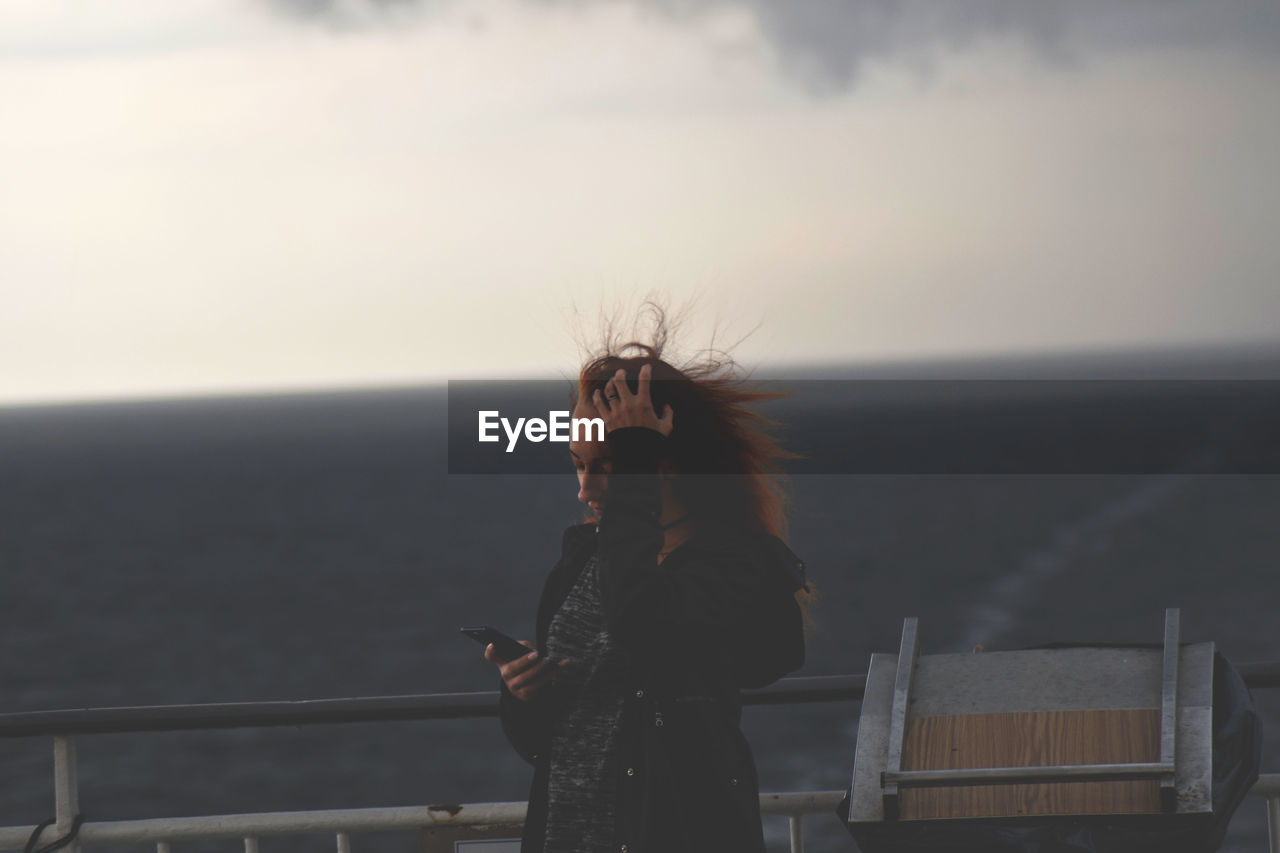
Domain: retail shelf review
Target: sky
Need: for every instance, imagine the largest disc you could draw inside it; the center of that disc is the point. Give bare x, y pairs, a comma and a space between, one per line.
215, 196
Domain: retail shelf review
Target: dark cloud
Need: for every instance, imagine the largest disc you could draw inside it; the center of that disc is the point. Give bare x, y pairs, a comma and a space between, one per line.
352, 14
825, 43
322, 8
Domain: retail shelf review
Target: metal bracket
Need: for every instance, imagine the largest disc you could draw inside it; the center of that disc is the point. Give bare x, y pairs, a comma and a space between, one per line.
1169, 709
908, 651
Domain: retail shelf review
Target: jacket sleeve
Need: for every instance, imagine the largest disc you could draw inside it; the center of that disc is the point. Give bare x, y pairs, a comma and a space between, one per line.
730, 595
527, 725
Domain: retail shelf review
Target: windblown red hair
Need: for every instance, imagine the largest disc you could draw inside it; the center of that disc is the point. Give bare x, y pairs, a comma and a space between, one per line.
725, 458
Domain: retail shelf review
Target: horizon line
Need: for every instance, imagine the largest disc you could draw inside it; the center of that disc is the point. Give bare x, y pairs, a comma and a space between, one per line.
1261, 358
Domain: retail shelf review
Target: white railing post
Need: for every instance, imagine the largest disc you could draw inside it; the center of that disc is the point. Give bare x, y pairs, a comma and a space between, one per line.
344, 843
66, 788
797, 834
250, 844
1273, 821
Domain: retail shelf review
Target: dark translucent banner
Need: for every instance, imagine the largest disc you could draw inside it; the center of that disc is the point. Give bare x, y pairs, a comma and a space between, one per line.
926, 427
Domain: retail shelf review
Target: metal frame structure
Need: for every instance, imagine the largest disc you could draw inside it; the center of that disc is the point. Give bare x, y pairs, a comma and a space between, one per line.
64, 726
894, 777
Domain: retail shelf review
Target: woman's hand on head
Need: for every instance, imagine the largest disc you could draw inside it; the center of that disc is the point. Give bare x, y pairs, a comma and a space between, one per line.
525, 676
619, 407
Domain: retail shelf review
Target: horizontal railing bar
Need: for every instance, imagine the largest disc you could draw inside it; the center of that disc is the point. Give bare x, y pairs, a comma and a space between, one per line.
434, 706
230, 715
1011, 775
796, 803
281, 823
1260, 674
1268, 785
814, 688
165, 830
430, 706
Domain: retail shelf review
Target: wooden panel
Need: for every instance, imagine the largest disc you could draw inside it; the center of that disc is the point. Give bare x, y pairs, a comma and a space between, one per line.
1031, 739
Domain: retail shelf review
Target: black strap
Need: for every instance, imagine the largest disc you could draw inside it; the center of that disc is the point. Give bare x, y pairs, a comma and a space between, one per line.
53, 845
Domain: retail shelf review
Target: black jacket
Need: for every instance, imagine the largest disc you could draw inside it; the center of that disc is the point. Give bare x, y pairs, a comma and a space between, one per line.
717, 615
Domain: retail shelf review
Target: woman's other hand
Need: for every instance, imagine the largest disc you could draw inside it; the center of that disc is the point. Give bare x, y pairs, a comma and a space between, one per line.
524, 676
619, 408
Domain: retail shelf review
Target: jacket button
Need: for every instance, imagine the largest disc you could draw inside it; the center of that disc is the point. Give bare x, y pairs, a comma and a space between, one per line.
639, 694
733, 781
657, 719
623, 848
631, 771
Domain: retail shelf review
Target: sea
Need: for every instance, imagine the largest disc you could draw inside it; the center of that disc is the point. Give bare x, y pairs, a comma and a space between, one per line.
318, 545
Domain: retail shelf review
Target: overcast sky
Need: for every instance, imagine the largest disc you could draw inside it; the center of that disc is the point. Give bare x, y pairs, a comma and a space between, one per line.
220, 195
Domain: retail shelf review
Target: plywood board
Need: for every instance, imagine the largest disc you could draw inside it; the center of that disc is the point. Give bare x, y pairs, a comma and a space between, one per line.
1032, 739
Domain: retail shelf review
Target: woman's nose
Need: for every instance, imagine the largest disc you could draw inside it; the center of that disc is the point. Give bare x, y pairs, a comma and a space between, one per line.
590, 488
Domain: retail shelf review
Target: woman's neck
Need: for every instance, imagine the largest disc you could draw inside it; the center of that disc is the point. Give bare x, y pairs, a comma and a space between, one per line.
677, 526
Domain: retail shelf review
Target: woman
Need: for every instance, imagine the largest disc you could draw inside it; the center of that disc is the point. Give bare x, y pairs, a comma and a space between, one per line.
677, 593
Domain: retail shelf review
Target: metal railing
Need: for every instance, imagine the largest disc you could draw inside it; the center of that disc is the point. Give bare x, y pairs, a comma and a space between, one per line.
63, 726
342, 823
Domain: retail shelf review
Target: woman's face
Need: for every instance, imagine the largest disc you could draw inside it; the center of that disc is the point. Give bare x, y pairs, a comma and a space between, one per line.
591, 461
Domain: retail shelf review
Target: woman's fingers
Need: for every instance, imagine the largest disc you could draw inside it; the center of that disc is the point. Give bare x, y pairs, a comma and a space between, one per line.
620, 407
511, 668
524, 676
491, 655
532, 680
530, 683
615, 392
620, 386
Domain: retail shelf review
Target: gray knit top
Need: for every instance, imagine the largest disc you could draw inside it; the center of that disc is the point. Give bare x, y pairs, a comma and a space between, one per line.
583, 766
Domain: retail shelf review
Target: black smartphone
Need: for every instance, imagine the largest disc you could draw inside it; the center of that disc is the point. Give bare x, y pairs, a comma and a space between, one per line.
506, 648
